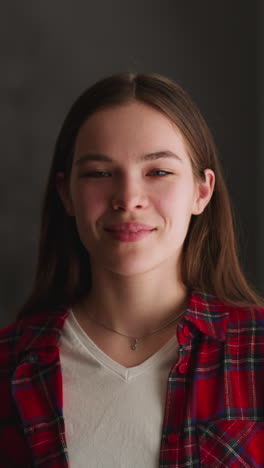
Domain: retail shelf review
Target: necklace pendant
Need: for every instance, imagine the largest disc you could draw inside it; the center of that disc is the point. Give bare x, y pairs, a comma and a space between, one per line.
134, 345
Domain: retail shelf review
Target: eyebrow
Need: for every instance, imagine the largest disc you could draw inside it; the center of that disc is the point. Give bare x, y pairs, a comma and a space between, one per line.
145, 157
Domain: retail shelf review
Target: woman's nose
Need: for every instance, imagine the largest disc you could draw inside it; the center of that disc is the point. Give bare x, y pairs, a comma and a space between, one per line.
128, 195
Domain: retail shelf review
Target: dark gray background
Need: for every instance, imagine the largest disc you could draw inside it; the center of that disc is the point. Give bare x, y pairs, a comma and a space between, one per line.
51, 51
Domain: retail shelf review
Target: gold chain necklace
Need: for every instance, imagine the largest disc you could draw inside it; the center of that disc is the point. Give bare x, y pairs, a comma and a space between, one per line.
135, 340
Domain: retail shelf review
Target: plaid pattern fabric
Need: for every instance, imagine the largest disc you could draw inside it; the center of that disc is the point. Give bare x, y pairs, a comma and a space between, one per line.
214, 415
31, 422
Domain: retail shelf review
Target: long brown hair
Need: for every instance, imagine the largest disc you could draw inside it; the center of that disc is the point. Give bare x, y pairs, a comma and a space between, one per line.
209, 259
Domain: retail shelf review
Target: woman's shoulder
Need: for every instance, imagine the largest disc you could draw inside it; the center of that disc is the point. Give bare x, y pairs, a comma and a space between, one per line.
30, 332
247, 313
245, 319
213, 309
9, 337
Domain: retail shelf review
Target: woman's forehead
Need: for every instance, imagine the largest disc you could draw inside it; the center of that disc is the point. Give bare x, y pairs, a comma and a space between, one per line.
132, 127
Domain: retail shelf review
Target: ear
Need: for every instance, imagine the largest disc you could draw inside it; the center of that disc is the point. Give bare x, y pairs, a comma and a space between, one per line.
64, 193
204, 191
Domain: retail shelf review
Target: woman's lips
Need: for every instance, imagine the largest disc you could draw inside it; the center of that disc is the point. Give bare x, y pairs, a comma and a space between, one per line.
130, 226
130, 236
130, 231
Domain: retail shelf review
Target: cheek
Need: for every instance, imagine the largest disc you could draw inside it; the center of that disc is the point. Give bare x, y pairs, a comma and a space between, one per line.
87, 203
164, 202
175, 201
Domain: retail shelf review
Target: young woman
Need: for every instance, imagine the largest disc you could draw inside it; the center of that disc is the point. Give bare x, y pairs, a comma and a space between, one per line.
141, 344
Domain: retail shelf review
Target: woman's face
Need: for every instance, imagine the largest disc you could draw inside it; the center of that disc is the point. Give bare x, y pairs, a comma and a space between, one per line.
131, 166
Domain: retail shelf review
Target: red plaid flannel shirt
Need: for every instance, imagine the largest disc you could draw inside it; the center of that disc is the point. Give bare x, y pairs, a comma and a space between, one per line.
214, 414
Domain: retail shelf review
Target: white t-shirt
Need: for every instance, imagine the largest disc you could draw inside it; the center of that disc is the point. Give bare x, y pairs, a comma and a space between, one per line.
113, 414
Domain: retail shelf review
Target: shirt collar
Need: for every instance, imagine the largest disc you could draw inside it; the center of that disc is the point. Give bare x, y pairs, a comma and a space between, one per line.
43, 331
208, 314
39, 333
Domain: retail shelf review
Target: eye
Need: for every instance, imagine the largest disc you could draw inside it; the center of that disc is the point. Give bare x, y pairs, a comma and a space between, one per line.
96, 174
160, 172
103, 174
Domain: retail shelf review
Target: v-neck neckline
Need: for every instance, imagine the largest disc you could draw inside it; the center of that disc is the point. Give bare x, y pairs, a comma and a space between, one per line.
76, 333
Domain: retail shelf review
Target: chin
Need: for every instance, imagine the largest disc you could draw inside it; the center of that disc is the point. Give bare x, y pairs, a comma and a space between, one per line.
131, 268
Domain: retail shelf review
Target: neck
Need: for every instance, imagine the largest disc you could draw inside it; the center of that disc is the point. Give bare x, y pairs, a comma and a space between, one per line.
136, 304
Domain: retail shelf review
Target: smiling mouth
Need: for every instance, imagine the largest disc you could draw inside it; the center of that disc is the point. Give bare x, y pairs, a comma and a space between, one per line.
130, 235
130, 226
128, 230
